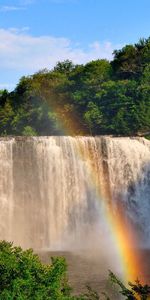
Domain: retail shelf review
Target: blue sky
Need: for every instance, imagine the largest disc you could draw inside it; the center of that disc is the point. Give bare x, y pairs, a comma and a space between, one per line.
35, 34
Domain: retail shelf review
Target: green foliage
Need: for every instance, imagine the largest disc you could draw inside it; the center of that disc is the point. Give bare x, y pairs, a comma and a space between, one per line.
28, 131
23, 276
131, 60
135, 291
90, 295
93, 116
97, 98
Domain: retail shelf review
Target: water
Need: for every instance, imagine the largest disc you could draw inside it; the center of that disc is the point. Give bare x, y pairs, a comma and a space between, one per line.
54, 191
84, 269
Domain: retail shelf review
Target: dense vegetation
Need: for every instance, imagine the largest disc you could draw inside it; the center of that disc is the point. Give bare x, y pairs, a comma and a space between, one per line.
100, 97
24, 277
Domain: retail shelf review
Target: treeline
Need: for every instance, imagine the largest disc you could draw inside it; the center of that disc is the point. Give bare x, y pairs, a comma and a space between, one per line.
98, 98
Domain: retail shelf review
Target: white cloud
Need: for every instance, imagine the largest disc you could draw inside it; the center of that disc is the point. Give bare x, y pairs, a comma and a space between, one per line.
19, 50
22, 53
22, 4
9, 8
18, 30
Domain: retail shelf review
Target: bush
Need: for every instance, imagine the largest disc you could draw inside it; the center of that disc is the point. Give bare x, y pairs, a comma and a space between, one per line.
23, 276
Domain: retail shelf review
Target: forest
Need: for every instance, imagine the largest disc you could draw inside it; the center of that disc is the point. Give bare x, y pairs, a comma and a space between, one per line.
98, 98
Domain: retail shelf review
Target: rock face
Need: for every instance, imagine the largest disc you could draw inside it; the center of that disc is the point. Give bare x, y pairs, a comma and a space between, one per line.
53, 189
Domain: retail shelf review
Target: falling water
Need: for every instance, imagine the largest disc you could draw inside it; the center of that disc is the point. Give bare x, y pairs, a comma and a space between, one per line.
52, 189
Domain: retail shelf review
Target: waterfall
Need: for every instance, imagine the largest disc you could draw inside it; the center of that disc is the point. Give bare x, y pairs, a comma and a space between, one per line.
52, 189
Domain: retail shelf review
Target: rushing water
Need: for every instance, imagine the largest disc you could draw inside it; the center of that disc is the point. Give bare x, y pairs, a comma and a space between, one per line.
55, 193
52, 189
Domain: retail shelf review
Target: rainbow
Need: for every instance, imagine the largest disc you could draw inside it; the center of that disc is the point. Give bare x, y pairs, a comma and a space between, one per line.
123, 237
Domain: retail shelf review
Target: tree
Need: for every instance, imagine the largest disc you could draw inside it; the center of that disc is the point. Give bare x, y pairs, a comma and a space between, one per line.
64, 67
93, 117
130, 61
135, 291
3, 97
